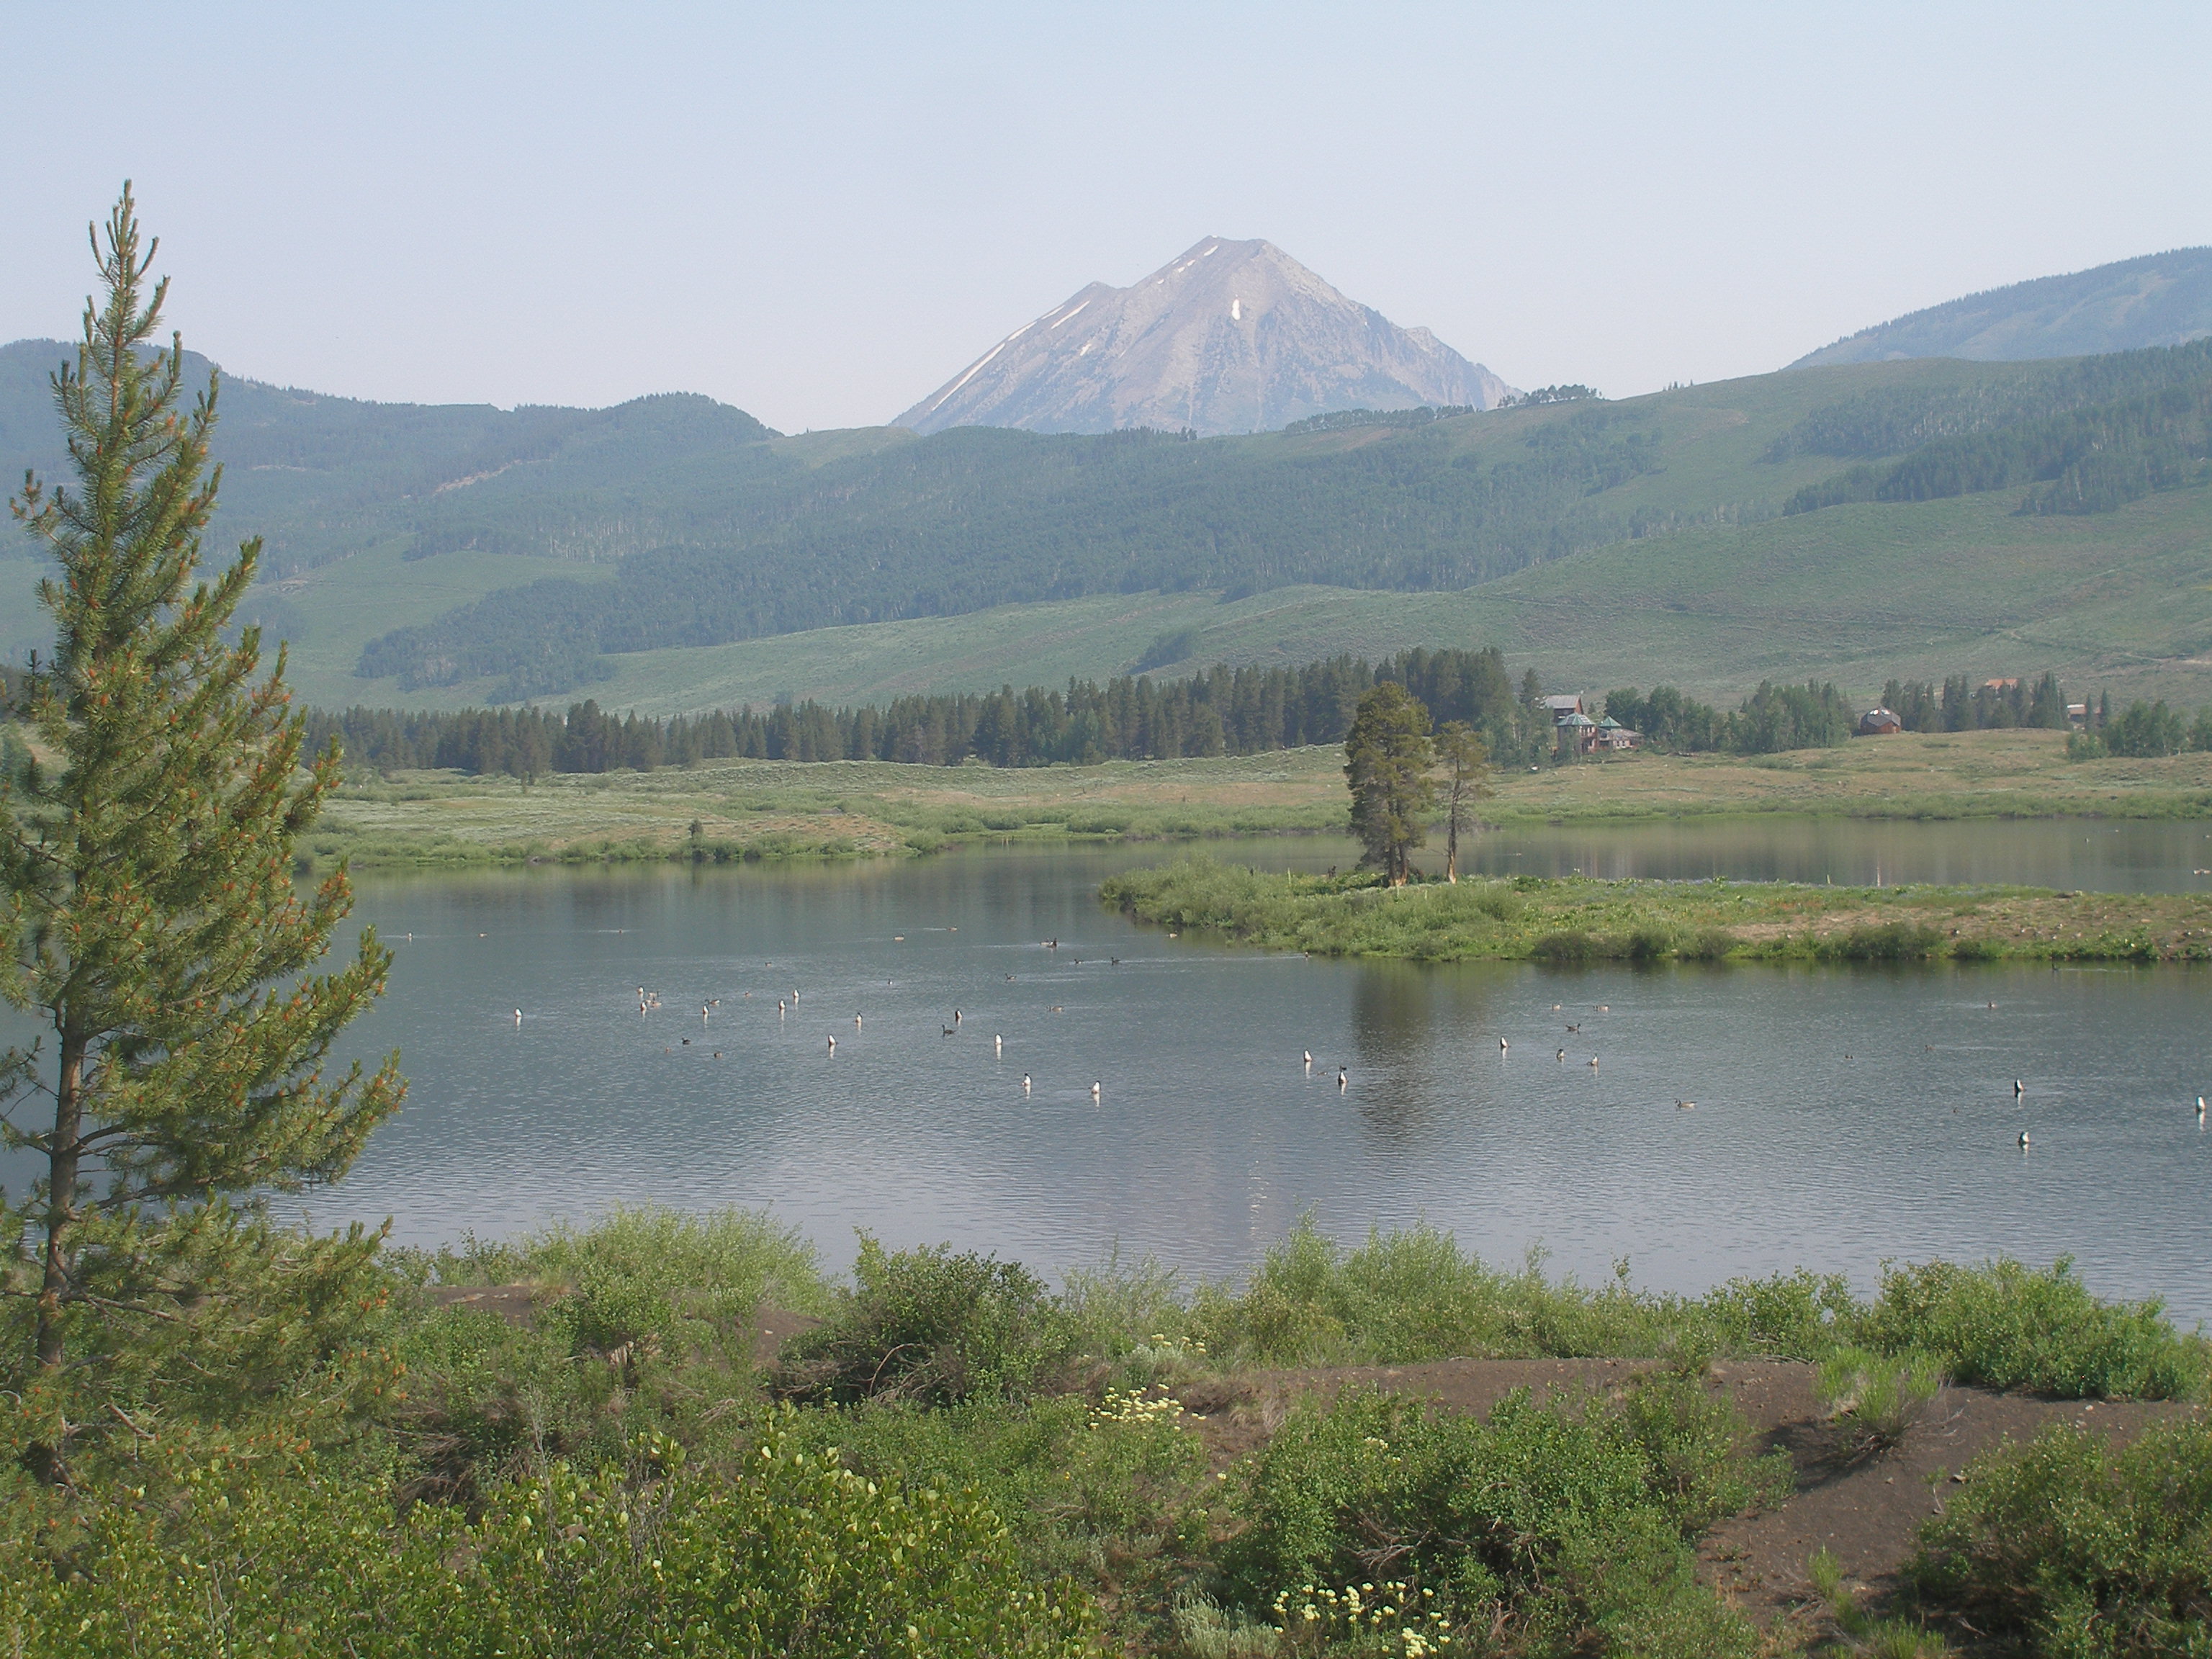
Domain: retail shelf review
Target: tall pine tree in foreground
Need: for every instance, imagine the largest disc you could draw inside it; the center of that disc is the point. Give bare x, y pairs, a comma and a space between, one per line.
151, 924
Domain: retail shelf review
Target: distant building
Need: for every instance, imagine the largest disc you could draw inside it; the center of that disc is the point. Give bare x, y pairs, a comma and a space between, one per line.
2077, 715
1612, 734
1880, 723
1562, 707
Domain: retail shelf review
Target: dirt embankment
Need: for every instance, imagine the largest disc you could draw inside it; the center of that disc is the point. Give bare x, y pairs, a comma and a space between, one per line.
1865, 1511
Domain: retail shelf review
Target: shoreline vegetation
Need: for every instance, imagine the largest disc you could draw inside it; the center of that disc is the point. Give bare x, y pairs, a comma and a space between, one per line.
720, 812
674, 1431
1566, 920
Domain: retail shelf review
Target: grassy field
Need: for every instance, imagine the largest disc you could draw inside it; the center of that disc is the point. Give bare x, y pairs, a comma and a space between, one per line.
768, 808
1583, 920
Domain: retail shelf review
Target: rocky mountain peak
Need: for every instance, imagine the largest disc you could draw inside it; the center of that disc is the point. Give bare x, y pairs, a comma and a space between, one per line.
1229, 336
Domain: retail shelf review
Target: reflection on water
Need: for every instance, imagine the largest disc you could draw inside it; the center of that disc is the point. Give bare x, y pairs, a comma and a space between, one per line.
1842, 1115
2153, 857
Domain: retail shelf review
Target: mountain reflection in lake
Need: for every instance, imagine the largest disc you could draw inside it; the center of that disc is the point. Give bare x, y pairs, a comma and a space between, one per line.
1842, 1116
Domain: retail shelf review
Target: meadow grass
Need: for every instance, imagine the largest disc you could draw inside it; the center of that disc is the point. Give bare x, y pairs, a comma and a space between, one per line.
746, 809
1573, 920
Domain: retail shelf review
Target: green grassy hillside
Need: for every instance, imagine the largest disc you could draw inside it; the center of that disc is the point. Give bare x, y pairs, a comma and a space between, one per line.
1854, 594
1631, 543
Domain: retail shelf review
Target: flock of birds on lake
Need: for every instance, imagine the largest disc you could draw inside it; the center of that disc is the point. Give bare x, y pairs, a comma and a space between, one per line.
649, 1002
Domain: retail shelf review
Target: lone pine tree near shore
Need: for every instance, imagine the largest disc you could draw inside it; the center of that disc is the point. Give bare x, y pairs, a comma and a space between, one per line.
150, 918
1387, 760
1466, 761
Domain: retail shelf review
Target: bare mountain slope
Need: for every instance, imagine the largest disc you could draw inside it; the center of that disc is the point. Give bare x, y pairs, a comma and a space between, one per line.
1233, 337
2159, 299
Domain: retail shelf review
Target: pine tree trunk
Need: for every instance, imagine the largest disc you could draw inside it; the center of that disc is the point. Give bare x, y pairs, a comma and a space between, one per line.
62, 1155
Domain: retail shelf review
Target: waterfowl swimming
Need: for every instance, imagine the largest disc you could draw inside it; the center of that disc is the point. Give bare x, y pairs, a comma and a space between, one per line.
1593, 1062
1025, 1083
833, 1044
1563, 1053
517, 1016
1094, 1091
1343, 1078
1686, 1105
2018, 1088
1309, 1054
2023, 1140
1502, 1045
856, 1022
997, 1045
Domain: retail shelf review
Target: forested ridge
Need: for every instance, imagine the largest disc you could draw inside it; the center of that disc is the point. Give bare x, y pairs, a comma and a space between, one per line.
2096, 434
974, 518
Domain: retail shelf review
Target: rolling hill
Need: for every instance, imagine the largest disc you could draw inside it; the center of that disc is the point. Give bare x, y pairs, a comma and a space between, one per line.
2159, 299
673, 554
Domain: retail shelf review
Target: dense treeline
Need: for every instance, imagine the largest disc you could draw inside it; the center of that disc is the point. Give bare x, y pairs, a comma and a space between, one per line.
1895, 419
1772, 719
1959, 705
1222, 711
2092, 460
974, 518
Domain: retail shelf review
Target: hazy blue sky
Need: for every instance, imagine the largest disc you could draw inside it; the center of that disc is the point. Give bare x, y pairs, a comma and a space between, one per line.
820, 212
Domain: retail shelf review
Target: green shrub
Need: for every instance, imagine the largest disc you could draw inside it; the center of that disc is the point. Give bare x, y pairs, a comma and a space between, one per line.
1074, 1479
1890, 941
2065, 1548
1878, 1397
1798, 1315
790, 1554
1563, 1524
1568, 948
2006, 1326
1649, 945
928, 1325
1709, 945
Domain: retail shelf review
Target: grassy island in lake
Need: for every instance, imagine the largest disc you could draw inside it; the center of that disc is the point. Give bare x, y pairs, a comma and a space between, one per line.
1579, 919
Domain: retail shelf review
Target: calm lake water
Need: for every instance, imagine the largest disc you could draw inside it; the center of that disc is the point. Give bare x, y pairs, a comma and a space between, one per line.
1842, 1115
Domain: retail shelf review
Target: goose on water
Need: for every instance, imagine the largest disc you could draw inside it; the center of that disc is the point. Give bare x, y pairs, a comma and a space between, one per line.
1094, 1091
1025, 1083
1343, 1078
1502, 1045
1563, 1053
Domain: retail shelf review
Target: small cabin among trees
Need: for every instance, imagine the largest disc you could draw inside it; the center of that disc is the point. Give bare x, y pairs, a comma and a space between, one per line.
1880, 723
